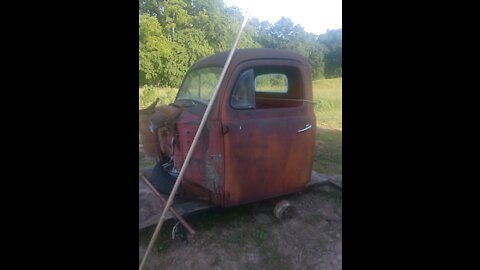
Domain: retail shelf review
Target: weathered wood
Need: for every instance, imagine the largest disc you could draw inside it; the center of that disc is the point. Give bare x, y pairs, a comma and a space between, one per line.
325, 179
317, 178
320, 179
151, 206
174, 212
336, 181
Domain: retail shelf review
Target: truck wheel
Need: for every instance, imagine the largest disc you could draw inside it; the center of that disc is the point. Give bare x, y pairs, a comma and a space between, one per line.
283, 210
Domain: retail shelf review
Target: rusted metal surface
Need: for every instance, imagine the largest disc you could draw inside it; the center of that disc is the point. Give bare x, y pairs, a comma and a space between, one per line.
247, 155
265, 154
266, 158
205, 172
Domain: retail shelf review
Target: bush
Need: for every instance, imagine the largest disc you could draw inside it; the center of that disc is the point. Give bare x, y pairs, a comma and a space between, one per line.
148, 94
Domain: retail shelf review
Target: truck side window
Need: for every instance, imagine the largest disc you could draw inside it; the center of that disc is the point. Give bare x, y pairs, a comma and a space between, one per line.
243, 95
278, 87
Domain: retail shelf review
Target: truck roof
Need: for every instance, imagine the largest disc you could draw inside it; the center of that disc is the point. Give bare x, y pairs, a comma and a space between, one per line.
241, 55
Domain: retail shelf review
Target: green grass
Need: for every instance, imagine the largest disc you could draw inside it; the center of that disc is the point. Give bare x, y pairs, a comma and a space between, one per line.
144, 161
327, 95
148, 94
259, 235
328, 151
164, 236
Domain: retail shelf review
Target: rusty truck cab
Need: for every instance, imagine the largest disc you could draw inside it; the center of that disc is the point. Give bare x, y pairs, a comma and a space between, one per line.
258, 142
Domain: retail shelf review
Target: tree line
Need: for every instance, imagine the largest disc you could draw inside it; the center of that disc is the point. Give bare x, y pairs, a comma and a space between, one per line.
174, 34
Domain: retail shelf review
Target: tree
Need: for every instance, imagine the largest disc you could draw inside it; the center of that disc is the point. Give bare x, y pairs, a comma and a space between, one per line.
174, 14
284, 34
235, 18
176, 33
332, 40
189, 45
154, 50
149, 7
210, 17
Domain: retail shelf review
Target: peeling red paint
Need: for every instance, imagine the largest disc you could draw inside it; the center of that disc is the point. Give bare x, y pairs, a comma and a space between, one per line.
247, 155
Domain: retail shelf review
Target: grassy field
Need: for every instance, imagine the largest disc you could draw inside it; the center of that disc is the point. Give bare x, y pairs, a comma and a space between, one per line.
148, 94
327, 95
250, 237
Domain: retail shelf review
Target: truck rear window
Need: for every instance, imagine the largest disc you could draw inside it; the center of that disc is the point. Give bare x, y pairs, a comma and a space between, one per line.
267, 87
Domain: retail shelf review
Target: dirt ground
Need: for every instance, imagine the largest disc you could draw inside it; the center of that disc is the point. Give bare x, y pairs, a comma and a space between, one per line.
250, 237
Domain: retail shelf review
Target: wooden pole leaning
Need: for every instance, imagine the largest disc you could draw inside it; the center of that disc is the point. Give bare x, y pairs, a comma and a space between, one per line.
194, 143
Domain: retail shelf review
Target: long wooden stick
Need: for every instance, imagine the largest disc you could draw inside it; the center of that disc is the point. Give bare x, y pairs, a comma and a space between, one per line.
194, 143
174, 212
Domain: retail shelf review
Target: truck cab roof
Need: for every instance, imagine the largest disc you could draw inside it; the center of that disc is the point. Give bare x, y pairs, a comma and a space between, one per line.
241, 55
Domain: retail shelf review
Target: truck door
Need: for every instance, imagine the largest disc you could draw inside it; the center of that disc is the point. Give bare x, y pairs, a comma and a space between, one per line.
269, 130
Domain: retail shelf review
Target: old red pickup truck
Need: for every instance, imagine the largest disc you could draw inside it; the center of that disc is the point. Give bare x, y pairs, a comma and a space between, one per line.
258, 142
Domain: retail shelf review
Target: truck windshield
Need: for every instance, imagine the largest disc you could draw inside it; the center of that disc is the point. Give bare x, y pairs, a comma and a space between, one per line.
199, 84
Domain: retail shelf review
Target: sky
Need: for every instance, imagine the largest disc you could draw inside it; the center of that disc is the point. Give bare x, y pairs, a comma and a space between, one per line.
316, 16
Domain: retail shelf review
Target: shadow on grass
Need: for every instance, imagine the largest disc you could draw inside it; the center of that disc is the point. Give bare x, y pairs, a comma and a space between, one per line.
210, 223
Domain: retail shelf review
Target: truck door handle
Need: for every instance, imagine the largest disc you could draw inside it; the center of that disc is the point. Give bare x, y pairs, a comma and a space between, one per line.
307, 127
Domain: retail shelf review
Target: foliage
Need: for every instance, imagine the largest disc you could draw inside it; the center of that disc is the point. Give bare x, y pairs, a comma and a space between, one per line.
327, 95
333, 57
154, 50
173, 34
148, 94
